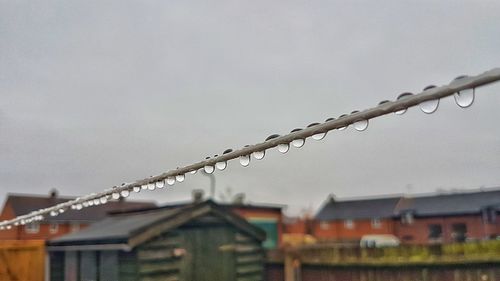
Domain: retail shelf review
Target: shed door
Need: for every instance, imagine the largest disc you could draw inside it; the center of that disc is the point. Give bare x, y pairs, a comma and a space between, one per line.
208, 254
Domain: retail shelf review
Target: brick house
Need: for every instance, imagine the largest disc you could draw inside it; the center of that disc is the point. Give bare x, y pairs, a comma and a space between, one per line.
69, 221
349, 220
446, 218
421, 219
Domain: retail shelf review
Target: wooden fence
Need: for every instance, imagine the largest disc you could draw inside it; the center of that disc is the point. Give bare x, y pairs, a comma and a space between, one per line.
478, 261
22, 260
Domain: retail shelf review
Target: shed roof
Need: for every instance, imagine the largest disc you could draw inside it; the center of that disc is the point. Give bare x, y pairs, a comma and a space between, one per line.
122, 228
22, 204
260, 206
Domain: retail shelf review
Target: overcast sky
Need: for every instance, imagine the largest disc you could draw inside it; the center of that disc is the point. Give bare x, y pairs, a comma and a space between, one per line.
96, 93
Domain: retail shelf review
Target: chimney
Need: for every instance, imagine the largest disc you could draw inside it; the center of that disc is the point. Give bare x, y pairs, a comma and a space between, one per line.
239, 199
197, 195
53, 193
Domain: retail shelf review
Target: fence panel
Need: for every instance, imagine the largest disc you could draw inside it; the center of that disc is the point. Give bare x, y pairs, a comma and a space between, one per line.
22, 260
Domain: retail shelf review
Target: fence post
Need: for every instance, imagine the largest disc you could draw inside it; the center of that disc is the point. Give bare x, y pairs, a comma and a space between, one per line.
292, 265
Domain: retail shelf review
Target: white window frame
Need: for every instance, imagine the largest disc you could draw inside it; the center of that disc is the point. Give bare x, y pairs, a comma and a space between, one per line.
349, 224
32, 228
53, 228
376, 223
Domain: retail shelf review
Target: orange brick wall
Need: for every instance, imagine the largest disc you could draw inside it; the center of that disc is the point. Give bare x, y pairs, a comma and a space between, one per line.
297, 227
336, 230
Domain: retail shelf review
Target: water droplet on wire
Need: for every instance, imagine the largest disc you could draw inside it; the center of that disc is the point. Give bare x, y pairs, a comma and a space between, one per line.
192, 172
345, 127
170, 180
227, 151
272, 137
465, 98
318, 136
221, 165
115, 195
125, 193
209, 169
298, 142
259, 155
104, 200
429, 106
160, 184
245, 160
283, 147
180, 177
400, 97
136, 189
144, 186
151, 186
360, 125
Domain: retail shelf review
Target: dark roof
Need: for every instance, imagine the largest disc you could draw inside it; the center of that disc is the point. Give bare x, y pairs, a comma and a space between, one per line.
459, 203
117, 227
23, 204
262, 206
124, 227
358, 209
453, 203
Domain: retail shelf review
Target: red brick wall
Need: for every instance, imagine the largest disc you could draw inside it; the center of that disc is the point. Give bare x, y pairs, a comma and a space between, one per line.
299, 226
419, 229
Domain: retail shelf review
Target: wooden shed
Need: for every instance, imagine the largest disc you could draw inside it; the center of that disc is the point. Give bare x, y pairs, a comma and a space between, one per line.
199, 242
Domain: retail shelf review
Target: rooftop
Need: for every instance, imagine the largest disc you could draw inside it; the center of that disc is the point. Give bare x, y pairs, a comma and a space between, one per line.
22, 204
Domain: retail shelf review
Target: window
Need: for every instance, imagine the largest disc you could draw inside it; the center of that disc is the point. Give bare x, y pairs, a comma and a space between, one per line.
376, 223
324, 225
489, 215
53, 228
349, 224
75, 227
407, 217
459, 232
435, 232
32, 228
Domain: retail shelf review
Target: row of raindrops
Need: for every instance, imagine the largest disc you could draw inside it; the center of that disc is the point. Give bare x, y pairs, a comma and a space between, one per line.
463, 99
282, 147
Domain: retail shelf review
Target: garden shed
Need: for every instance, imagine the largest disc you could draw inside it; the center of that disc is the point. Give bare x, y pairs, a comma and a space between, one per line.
198, 242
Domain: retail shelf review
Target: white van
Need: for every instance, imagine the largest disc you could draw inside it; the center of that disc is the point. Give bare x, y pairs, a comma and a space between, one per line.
379, 241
